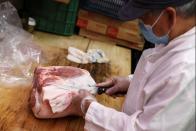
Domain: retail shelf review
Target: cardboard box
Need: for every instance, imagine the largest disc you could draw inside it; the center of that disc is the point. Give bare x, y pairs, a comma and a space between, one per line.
128, 31
104, 38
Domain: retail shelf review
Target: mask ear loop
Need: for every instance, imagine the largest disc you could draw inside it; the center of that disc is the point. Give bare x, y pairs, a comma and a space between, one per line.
158, 19
169, 30
140, 21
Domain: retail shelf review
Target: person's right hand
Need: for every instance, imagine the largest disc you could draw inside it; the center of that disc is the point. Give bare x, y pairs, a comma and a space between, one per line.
116, 85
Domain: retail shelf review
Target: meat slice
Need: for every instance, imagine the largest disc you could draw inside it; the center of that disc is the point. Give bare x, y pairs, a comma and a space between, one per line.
54, 88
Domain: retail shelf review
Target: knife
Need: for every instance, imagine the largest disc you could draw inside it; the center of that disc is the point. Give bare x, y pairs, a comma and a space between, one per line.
101, 90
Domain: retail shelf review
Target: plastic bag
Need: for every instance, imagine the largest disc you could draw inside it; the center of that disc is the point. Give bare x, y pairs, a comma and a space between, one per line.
92, 56
8, 13
18, 54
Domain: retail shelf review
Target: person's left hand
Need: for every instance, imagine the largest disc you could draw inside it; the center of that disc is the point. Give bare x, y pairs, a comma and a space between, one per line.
75, 106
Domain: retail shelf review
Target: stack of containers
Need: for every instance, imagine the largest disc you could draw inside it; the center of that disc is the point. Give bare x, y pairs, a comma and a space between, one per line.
105, 7
52, 16
98, 19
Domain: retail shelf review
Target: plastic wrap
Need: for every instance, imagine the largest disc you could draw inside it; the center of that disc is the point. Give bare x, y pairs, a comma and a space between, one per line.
8, 13
92, 56
18, 54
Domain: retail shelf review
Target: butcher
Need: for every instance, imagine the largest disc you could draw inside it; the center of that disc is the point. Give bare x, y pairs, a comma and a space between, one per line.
161, 94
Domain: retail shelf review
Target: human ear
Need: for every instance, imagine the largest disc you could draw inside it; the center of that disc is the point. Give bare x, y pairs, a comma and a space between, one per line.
171, 15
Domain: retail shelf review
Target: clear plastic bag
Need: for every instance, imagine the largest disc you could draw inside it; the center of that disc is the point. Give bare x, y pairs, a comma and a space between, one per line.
8, 13
18, 54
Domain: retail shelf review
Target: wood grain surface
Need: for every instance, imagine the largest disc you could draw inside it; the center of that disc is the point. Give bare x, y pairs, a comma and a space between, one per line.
15, 114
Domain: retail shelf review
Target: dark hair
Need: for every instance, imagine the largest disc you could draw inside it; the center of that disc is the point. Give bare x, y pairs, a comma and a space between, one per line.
187, 10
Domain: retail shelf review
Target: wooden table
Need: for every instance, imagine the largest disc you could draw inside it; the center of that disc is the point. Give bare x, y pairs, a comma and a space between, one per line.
15, 114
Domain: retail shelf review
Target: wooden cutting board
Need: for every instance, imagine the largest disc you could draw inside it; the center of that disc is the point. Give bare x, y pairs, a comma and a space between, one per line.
15, 114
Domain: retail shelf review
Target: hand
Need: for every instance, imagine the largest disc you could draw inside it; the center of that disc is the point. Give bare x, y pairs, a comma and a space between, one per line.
75, 106
115, 85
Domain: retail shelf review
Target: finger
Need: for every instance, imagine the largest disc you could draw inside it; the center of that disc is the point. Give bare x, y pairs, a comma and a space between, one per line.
106, 84
111, 91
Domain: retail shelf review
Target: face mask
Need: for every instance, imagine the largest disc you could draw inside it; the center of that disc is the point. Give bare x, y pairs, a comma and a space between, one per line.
149, 35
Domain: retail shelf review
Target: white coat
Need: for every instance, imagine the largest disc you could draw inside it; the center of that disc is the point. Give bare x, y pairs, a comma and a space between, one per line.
161, 96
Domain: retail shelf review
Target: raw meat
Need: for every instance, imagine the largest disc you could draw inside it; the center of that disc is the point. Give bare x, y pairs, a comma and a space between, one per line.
54, 87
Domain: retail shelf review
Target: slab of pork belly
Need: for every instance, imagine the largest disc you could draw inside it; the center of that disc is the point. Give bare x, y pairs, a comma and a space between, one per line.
55, 86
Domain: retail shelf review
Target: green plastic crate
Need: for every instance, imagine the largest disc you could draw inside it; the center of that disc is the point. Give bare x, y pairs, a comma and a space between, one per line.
52, 16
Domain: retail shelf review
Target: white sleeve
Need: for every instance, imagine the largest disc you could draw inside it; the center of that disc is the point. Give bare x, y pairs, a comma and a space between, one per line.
101, 118
164, 111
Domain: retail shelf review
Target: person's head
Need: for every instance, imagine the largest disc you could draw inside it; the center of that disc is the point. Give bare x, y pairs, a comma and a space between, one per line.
165, 17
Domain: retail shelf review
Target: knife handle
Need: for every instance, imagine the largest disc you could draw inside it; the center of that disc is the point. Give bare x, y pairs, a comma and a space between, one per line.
101, 90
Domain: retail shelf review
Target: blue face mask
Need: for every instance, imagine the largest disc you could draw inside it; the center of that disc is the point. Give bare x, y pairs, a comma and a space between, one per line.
147, 32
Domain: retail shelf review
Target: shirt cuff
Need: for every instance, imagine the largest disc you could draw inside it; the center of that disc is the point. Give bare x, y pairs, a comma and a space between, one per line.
91, 121
93, 108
